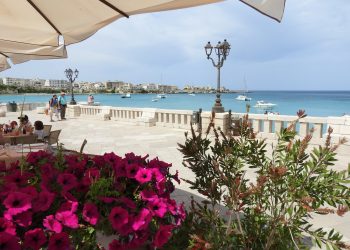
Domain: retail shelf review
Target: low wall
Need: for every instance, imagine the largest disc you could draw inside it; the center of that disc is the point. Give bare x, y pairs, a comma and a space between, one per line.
26, 106
264, 125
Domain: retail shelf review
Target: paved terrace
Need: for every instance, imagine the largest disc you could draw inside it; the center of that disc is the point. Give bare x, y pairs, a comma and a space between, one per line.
123, 137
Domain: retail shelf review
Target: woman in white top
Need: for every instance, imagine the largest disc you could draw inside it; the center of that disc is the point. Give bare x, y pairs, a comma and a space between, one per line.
39, 130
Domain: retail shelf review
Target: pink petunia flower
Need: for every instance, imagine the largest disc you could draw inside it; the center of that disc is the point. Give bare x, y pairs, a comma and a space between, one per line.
131, 170
148, 195
7, 226
90, 213
9, 242
127, 202
157, 174
68, 219
163, 235
118, 217
17, 202
116, 245
59, 241
43, 201
18, 177
34, 239
143, 175
67, 181
51, 224
142, 220
158, 207
23, 219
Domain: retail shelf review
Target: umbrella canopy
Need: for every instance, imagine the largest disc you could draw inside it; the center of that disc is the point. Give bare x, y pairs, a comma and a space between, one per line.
43, 22
271, 8
19, 53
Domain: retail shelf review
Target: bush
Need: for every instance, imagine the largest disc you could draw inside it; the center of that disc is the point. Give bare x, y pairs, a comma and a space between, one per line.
271, 212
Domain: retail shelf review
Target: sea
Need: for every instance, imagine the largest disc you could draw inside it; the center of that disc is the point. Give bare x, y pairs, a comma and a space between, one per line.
315, 103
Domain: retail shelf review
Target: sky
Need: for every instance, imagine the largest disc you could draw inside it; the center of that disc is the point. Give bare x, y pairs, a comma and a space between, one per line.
308, 50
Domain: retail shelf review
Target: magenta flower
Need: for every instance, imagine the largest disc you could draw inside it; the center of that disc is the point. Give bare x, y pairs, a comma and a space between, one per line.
9, 242
67, 181
120, 169
148, 195
118, 217
7, 226
158, 207
163, 235
142, 220
51, 224
43, 201
59, 241
131, 170
127, 202
157, 174
34, 239
68, 219
116, 245
143, 175
90, 213
18, 177
93, 173
17, 202
23, 219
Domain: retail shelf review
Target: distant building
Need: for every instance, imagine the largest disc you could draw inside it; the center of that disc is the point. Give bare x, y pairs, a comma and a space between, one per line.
167, 88
151, 87
109, 85
20, 82
56, 84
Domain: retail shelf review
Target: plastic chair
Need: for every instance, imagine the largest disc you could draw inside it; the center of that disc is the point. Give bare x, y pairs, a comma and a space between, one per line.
53, 137
47, 130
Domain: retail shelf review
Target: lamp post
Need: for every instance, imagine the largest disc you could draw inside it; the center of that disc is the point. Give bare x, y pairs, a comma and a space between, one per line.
72, 75
221, 50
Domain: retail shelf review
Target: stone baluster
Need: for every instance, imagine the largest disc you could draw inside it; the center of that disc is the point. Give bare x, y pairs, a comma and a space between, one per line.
304, 129
318, 128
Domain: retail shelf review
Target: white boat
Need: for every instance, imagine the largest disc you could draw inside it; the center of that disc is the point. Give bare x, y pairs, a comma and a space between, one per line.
243, 98
155, 99
264, 105
192, 94
127, 95
161, 96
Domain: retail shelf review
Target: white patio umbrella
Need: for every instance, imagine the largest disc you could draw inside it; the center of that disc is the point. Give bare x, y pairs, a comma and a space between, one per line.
19, 53
43, 22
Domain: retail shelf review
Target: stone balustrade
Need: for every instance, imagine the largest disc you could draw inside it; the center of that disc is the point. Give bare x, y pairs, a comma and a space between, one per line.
173, 118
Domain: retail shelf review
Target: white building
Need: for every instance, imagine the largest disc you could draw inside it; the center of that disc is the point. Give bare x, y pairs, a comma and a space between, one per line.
20, 82
150, 86
57, 84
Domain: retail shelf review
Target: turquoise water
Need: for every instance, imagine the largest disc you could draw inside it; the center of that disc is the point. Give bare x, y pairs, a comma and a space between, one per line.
316, 103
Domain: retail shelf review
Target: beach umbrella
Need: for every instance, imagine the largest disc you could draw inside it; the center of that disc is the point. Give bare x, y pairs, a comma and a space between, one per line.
19, 53
45, 22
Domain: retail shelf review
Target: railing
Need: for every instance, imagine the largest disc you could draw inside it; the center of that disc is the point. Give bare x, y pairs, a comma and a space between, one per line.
125, 114
267, 125
173, 118
90, 110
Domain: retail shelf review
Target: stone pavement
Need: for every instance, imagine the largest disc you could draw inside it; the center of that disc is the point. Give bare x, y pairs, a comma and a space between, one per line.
121, 138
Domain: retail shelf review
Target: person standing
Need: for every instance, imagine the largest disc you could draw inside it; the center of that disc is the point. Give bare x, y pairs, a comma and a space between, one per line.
62, 102
91, 99
53, 107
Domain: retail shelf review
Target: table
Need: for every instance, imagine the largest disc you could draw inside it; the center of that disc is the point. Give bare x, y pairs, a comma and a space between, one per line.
15, 153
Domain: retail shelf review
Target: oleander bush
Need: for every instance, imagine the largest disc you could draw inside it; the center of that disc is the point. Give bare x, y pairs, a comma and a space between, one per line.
59, 201
273, 209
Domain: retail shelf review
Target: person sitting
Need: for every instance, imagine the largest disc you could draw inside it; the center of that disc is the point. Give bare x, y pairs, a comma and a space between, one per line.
39, 130
25, 124
14, 125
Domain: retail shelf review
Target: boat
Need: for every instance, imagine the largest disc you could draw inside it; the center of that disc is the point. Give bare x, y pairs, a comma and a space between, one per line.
192, 94
161, 96
155, 99
127, 95
243, 98
264, 105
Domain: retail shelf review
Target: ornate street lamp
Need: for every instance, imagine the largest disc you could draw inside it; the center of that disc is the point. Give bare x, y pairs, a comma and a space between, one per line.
72, 75
221, 50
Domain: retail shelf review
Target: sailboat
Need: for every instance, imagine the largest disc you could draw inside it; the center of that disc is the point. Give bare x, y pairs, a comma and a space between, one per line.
244, 96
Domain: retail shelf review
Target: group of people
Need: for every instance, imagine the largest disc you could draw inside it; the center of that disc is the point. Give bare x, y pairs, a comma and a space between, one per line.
23, 127
58, 106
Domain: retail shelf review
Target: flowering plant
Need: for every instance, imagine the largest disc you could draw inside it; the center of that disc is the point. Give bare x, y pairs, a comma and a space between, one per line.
59, 201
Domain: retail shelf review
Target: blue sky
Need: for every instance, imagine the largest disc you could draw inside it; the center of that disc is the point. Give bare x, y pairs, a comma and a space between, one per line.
309, 50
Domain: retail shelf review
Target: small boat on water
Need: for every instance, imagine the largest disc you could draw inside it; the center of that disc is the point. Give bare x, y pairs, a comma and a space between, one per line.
161, 96
155, 99
264, 105
192, 94
243, 98
127, 95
